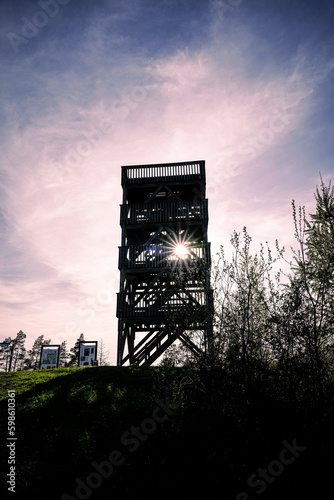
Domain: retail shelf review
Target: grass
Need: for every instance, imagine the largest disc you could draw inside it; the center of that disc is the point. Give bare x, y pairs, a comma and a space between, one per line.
24, 381
66, 418
69, 418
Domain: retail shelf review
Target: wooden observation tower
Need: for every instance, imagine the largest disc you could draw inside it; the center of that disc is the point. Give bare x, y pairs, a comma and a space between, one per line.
164, 260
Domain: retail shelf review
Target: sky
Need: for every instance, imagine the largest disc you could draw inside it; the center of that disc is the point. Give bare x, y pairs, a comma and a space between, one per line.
88, 86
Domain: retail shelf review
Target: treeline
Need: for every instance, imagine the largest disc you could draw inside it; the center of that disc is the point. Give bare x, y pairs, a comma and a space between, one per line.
23, 359
269, 324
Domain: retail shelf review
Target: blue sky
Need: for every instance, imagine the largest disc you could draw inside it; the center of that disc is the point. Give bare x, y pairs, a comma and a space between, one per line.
246, 85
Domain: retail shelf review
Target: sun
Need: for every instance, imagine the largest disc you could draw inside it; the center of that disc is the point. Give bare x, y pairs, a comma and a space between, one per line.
181, 251
179, 246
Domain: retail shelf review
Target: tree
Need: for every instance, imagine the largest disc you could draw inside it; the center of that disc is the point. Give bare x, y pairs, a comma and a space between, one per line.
314, 279
245, 299
63, 354
267, 327
19, 351
102, 354
245, 302
74, 351
34, 355
5, 353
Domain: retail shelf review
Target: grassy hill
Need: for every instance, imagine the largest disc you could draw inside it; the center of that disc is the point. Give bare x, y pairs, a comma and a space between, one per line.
67, 418
135, 433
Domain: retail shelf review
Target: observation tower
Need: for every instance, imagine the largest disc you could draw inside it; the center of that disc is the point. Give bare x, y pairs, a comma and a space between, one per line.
164, 260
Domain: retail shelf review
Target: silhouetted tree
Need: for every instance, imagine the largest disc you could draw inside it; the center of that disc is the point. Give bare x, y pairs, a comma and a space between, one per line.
63, 354
74, 351
313, 280
102, 354
5, 353
19, 351
34, 355
246, 299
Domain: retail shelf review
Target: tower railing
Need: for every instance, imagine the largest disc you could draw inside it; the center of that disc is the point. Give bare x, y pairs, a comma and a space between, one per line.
159, 212
163, 172
159, 303
160, 256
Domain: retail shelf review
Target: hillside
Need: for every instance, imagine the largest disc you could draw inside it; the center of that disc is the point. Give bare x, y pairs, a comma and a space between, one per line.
135, 433
66, 418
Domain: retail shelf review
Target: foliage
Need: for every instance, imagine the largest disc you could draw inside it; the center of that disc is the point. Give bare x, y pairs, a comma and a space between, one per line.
74, 352
265, 319
33, 359
5, 353
313, 280
19, 351
245, 300
63, 354
102, 354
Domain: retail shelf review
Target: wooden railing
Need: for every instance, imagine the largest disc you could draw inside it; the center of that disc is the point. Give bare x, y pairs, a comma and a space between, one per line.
163, 172
160, 256
154, 213
159, 303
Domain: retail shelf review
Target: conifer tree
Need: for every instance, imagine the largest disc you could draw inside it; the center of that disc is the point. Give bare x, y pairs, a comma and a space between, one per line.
19, 351
5, 353
34, 355
314, 280
74, 351
102, 354
63, 354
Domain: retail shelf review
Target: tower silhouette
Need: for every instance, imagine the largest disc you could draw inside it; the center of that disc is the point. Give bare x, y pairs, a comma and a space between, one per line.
164, 260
